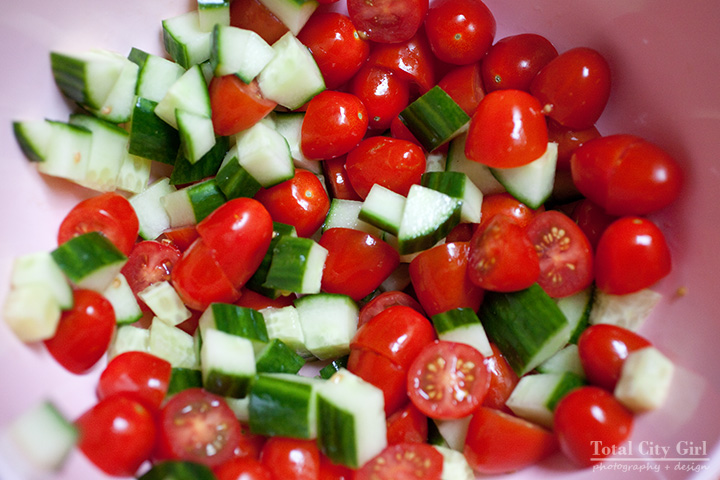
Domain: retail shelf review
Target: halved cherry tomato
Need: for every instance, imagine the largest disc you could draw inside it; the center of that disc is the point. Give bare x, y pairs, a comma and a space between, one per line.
439, 277
502, 380
117, 435
574, 87
197, 426
631, 254
180, 237
110, 214
502, 258
387, 21
301, 202
383, 93
386, 300
399, 130
626, 175
412, 59
460, 31
464, 85
240, 221
334, 123
507, 205
251, 299
448, 380
512, 62
380, 371
236, 105
393, 163
291, 459
336, 179
589, 423
507, 130
566, 258
357, 262
149, 262
403, 461
245, 468
253, 15
592, 220
408, 425
139, 375
568, 140
336, 46
462, 232
500, 443
83, 333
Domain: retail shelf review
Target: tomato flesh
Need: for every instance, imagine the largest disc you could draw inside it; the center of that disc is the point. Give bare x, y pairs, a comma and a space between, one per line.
387, 21
236, 105
149, 262
403, 461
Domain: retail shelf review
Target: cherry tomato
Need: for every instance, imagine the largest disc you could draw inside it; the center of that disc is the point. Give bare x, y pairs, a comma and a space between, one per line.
513, 61
603, 349
110, 214
460, 31
301, 202
500, 443
245, 468
336, 179
291, 459
83, 333
631, 254
403, 461
332, 471
502, 380
506, 204
137, 374
384, 301
236, 105
251, 299
592, 220
461, 232
626, 175
464, 85
574, 87
566, 259
398, 333
334, 123
589, 422
448, 380
439, 277
412, 59
393, 163
383, 93
507, 130
407, 425
197, 426
180, 237
149, 262
380, 371
240, 221
336, 46
399, 130
357, 262
502, 257
117, 435
568, 140
387, 21
253, 15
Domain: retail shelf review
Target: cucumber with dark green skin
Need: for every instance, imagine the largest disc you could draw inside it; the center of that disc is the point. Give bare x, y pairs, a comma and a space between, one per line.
333, 367
234, 180
257, 281
296, 265
227, 362
462, 325
150, 137
277, 357
535, 396
33, 137
89, 260
457, 185
427, 218
184, 41
155, 75
188, 172
178, 470
184, 378
85, 77
190, 205
235, 320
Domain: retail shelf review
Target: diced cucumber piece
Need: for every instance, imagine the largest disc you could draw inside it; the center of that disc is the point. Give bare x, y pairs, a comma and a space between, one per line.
533, 183
455, 465
240, 407
129, 338
150, 137
383, 208
289, 125
478, 173
178, 470
535, 396
453, 431
346, 214
107, 152
162, 299
152, 217
32, 312
628, 311
190, 205
264, 154
235, 320
89, 260
86, 77
184, 378
33, 137
156, 74
68, 152
187, 172
123, 301
434, 118
297, 265
293, 13
185, 41
527, 326
43, 436
462, 325
189, 93
284, 324
197, 134
292, 77
428, 217
172, 344
40, 268
118, 105
227, 362
333, 367
351, 419
566, 360
240, 52
457, 185
276, 357
576, 309
329, 322
645, 380
257, 281
134, 174
233, 179
284, 405
212, 13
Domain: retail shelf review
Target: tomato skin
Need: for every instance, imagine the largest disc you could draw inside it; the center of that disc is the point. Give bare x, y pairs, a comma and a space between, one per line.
592, 219
393, 163
574, 87
386, 300
84, 332
180, 237
301, 202
387, 21
380, 371
568, 140
291, 459
110, 214
334, 123
502, 258
587, 417
335, 45
512, 62
460, 31
336, 179
506, 204
603, 349
407, 425
626, 175
383, 93
412, 59
149, 262
252, 299
502, 380
139, 375
357, 262
631, 254
117, 435
332, 471
439, 276
403, 461
244, 468
565, 253
507, 130
253, 15
236, 105
500, 443
240, 221
464, 85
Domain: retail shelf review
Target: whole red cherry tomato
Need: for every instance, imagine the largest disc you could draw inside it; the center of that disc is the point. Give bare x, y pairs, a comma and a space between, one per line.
387, 21
140, 375
464, 85
507, 205
568, 140
460, 31
384, 93
291, 458
412, 59
513, 61
334, 123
